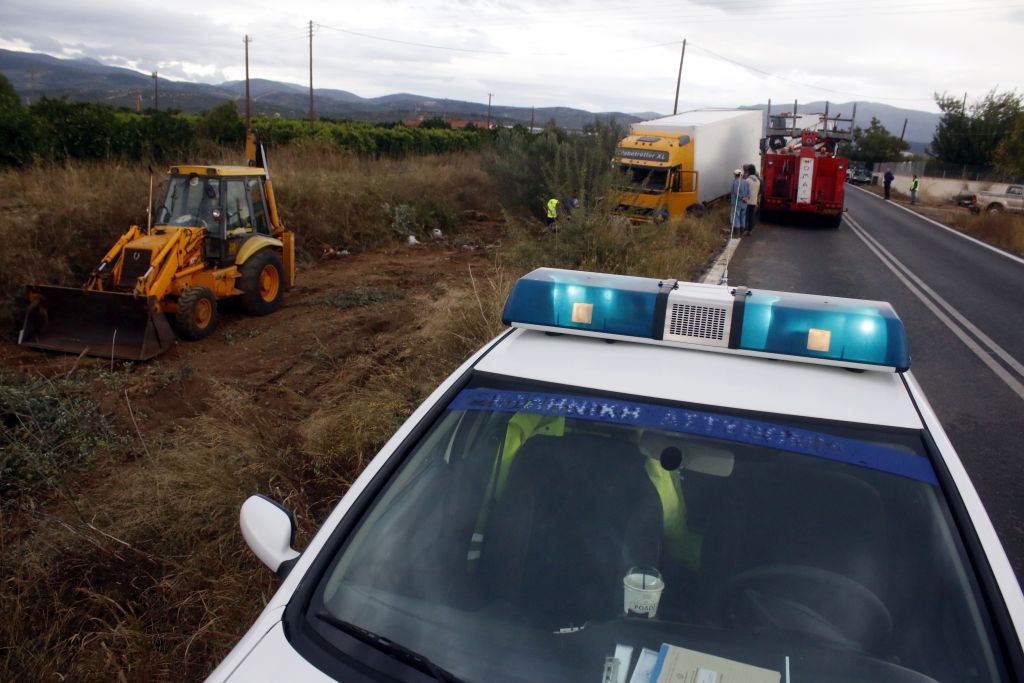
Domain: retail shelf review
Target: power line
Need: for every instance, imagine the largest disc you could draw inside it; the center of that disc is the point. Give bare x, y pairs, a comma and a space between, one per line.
721, 14
807, 85
642, 47
504, 53
413, 44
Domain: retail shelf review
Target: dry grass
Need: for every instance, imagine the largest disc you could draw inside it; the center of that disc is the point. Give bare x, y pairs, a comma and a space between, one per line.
61, 219
1003, 230
595, 241
357, 203
136, 569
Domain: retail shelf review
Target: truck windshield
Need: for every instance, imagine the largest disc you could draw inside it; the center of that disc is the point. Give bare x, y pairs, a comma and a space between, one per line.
535, 533
643, 178
191, 200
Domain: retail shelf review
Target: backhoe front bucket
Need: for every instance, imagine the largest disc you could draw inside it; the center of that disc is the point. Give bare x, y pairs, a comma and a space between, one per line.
107, 324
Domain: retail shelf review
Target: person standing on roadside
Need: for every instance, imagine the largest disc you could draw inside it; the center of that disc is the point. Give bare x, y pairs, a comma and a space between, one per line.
915, 185
736, 177
552, 212
887, 181
739, 207
752, 202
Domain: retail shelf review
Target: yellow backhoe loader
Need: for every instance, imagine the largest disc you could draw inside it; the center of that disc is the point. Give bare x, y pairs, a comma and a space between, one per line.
216, 235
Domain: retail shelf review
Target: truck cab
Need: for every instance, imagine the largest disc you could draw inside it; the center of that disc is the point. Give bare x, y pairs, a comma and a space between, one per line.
655, 176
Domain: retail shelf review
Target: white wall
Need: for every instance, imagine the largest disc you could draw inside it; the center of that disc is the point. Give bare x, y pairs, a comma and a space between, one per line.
941, 188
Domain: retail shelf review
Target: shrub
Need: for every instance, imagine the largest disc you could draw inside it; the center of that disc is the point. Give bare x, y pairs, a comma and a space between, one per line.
529, 169
47, 428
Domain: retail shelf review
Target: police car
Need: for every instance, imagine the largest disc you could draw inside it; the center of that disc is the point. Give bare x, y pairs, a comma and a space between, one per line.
644, 480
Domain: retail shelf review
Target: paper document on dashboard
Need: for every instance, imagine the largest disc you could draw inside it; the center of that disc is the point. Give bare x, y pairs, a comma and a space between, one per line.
679, 665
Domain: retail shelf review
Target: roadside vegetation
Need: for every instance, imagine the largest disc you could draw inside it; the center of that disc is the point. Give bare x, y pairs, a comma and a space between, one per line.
120, 554
1002, 229
62, 130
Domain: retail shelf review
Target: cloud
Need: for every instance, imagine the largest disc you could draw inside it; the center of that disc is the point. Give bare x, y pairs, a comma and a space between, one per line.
562, 52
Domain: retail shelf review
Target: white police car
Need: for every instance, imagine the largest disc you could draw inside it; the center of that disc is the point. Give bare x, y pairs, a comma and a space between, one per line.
745, 486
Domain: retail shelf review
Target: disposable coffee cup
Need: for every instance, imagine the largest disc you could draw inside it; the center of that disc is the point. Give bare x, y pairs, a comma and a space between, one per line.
642, 587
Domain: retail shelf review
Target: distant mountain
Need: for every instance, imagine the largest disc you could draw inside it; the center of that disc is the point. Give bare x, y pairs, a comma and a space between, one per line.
921, 125
36, 75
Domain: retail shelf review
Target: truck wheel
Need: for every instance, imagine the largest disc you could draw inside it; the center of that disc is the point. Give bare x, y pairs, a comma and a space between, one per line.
262, 283
995, 208
197, 313
834, 221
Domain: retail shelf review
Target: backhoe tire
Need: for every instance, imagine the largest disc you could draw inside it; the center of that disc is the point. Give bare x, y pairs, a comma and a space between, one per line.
197, 313
261, 282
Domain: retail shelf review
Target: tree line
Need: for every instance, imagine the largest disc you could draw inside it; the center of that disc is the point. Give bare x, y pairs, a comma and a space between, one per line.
986, 134
60, 130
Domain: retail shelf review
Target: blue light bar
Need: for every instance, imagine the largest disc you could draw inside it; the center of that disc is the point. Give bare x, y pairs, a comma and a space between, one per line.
800, 327
571, 299
850, 330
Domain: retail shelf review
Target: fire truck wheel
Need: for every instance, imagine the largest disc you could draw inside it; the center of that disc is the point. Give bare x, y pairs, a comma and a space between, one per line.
834, 221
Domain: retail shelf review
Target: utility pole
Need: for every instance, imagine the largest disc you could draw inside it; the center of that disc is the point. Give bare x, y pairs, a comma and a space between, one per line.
679, 78
533, 111
156, 92
488, 111
248, 105
899, 149
963, 109
311, 74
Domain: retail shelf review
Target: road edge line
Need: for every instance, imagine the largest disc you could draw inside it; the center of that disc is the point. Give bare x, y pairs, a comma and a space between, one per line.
956, 232
986, 358
718, 274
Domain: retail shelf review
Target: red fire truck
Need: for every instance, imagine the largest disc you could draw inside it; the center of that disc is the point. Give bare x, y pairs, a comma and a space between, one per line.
800, 172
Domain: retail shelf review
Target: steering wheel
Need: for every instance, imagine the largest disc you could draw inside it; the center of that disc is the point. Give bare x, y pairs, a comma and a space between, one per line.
808, 600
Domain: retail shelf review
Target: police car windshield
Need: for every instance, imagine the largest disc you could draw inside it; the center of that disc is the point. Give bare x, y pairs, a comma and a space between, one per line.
534, 533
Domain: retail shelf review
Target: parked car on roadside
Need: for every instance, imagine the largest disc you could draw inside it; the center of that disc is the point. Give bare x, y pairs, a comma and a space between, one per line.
860, 176
1011, 200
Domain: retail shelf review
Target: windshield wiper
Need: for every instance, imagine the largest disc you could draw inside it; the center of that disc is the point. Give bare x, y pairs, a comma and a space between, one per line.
388, 646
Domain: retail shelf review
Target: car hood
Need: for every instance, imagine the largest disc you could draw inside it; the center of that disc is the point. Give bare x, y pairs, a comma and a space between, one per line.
273, 659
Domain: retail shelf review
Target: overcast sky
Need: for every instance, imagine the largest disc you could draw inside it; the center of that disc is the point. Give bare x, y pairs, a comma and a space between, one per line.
599, 55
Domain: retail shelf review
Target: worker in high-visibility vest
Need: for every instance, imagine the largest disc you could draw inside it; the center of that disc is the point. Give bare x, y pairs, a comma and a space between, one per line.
552, 212
915, 185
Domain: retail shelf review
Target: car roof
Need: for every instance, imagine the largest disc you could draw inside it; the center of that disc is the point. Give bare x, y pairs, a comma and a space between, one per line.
705, 377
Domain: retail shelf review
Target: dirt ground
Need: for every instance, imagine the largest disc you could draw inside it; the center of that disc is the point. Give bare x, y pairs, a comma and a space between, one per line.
321, 335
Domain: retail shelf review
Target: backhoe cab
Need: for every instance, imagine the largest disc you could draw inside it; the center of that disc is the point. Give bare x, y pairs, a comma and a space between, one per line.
216, 235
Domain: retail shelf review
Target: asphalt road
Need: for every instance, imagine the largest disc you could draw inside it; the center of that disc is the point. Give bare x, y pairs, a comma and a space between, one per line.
963, 306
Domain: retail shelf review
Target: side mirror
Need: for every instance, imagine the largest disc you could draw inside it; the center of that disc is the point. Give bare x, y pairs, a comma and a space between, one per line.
269, 529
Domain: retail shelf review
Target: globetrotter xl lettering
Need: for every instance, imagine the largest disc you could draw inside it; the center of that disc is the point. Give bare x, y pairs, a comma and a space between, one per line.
644, 154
